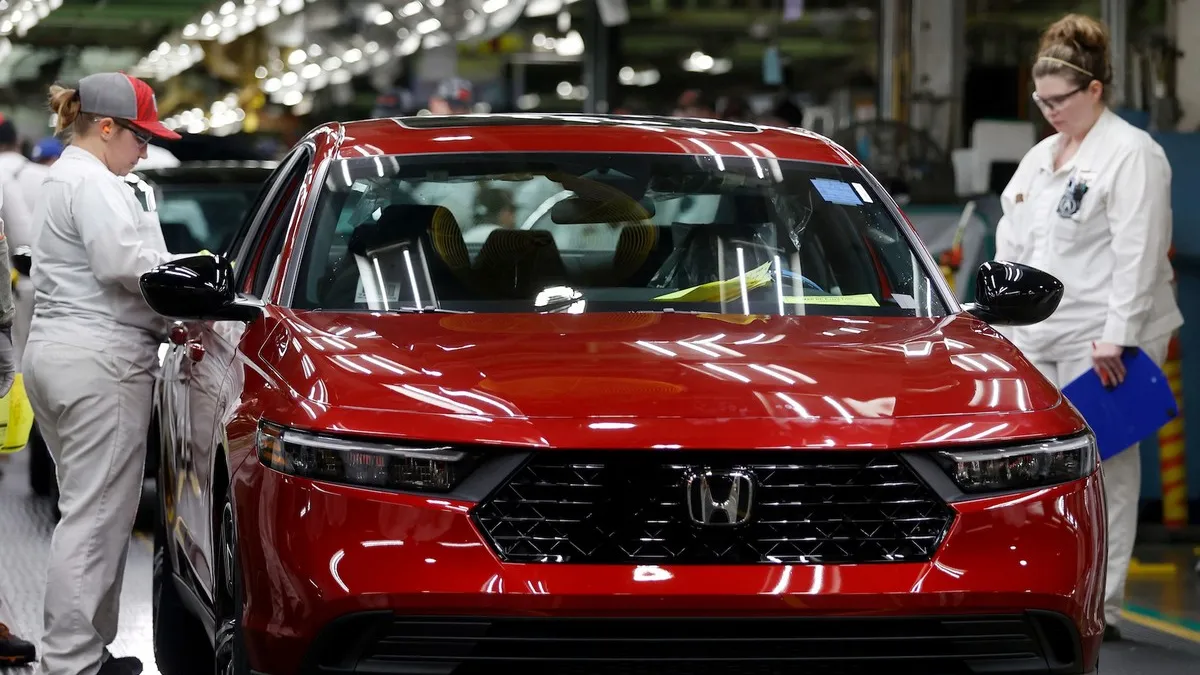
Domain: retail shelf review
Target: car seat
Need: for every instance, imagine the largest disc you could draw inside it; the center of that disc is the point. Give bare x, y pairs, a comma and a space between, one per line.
430, 231
517, 264
708, 253
641, 250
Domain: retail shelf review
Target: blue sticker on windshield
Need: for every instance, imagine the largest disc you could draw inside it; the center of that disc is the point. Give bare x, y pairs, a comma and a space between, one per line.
837, 192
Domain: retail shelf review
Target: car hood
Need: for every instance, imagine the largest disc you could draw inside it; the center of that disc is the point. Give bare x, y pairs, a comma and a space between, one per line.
646, 365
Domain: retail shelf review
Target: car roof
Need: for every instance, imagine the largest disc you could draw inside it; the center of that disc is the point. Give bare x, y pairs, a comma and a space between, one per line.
193, 173
539, 132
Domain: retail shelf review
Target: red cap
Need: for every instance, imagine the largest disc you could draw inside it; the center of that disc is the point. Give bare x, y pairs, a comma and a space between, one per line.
125, 97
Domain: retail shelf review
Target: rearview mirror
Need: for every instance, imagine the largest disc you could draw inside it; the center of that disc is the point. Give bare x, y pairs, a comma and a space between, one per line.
1012, 294
197, 288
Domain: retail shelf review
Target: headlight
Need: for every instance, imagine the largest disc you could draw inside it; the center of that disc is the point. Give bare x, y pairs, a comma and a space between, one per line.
386, 466
1021, 467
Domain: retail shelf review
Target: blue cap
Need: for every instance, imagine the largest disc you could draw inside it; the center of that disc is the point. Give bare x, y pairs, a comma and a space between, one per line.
47, 148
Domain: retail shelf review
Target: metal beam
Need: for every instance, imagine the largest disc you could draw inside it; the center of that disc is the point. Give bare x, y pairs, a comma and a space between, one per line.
1116, 14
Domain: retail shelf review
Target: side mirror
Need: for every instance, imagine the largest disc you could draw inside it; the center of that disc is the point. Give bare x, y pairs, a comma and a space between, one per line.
197, 288
1012, 294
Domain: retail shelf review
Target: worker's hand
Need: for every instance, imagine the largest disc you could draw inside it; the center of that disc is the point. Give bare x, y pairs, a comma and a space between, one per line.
1107, 363
8, 367
232, 263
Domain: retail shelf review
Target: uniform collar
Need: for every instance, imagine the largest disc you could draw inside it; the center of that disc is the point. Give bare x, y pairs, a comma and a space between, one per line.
1092, 144
78, 153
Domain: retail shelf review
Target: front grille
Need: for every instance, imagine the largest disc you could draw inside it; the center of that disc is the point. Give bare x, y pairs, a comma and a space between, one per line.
1008, 644
633, 507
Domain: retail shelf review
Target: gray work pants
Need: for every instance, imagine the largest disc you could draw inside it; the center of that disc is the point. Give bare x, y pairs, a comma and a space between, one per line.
1122, 483
93, 409
23, 304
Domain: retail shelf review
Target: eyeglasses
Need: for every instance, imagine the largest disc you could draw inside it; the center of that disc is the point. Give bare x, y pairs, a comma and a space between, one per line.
143, 138
1056, 102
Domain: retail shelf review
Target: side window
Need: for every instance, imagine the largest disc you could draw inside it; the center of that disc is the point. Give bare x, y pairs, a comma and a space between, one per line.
274, 227
235, 249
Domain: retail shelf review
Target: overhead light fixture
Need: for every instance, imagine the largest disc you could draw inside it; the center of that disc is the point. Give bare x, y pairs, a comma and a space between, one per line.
18, 18
233, 19
537, 8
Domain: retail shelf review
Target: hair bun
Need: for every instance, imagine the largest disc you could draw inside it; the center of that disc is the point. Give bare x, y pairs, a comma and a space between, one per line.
65, 104
1079, 32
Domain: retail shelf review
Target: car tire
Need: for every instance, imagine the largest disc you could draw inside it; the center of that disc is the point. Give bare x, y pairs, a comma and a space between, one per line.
181, 646
230, 642
42, 477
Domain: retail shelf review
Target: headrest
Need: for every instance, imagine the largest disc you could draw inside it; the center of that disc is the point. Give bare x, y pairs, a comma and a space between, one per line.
410, 216
397, 223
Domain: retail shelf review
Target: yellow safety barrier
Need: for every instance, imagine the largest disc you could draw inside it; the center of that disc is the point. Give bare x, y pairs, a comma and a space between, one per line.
1172, 447
16, 418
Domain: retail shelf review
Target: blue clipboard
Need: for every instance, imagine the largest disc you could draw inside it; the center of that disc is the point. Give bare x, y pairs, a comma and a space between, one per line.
1129, 413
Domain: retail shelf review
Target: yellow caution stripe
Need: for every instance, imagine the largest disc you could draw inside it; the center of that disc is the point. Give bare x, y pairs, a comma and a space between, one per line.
1148, 618
1141, 570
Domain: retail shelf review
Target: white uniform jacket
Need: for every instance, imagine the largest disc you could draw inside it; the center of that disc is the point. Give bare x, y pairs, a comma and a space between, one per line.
17, 207
1102, 225
92, 243
28, 174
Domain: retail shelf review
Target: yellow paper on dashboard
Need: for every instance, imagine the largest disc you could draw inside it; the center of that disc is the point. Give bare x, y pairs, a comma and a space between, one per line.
859, 300
728, 289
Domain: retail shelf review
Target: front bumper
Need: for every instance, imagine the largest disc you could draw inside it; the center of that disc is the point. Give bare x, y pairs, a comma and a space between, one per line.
339, 578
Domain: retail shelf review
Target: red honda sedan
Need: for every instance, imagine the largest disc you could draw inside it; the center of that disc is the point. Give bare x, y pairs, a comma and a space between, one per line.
597, 394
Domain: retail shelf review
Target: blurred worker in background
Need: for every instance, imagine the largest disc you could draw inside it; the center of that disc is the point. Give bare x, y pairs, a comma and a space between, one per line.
14, 651
494, 210
46, 151
19, 181
15, 208
693, 103
1092, 206
92, 358
452, 97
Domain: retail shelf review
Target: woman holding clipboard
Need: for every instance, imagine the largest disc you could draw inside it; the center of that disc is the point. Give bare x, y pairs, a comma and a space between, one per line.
1091, 205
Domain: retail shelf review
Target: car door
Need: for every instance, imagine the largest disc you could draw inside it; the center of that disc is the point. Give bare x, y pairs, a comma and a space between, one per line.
212, 350
193, 368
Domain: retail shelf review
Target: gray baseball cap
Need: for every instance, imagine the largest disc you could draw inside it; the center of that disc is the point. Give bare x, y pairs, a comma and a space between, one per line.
124, 97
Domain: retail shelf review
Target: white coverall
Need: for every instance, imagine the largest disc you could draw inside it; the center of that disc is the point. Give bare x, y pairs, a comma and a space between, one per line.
89, 371
22, 185
8, 362
1109, 249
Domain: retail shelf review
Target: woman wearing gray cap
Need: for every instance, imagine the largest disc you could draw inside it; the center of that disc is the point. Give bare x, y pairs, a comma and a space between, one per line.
91, 359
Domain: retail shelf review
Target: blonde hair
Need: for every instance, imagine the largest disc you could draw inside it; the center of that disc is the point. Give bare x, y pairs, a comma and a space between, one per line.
65, 105
1075, 47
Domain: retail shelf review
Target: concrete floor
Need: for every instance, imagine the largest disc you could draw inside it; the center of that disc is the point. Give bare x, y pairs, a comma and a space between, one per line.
1162, 625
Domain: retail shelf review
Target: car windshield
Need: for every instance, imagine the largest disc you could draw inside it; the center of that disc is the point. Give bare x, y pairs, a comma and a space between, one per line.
601, 232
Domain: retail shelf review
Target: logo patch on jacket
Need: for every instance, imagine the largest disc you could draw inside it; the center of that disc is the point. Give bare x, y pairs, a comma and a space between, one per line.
1072, 197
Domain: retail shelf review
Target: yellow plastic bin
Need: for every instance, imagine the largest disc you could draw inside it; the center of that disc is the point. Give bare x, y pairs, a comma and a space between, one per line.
16, 418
